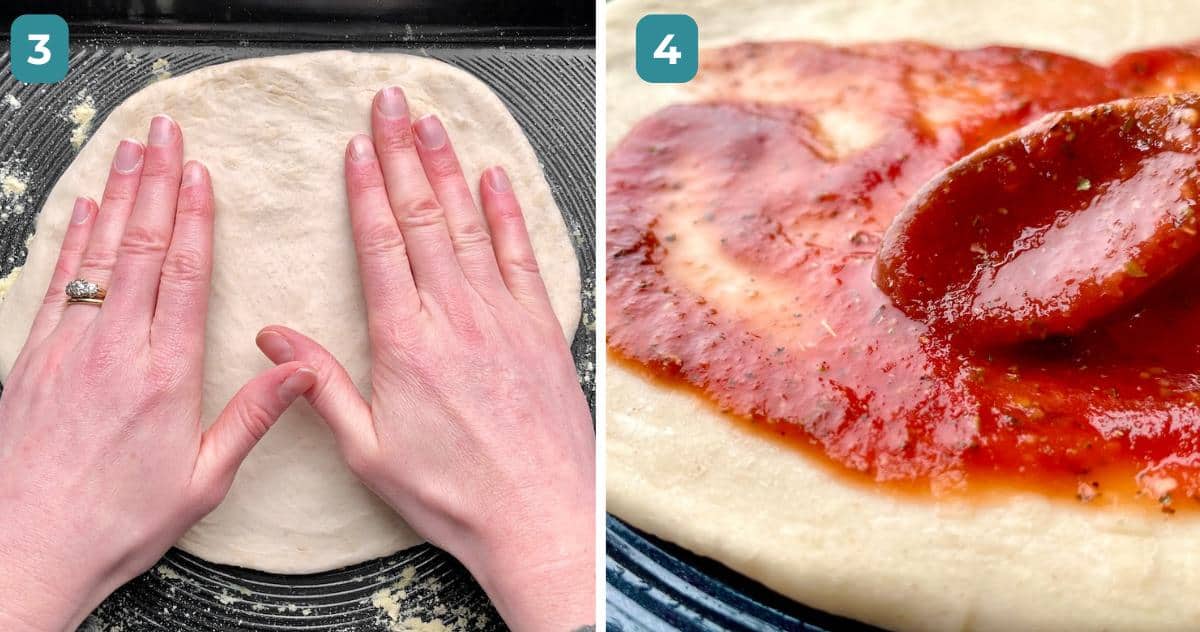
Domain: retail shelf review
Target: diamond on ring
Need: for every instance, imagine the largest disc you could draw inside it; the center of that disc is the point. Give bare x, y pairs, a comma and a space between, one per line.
83, 289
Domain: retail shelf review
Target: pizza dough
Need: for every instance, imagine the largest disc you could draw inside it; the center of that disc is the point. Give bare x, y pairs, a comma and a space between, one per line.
680, 470
273, 132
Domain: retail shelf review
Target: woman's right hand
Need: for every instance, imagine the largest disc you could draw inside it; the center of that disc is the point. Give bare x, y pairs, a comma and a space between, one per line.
477, 431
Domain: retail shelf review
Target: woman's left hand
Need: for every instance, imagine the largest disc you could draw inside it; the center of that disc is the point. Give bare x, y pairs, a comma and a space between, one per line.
104, 462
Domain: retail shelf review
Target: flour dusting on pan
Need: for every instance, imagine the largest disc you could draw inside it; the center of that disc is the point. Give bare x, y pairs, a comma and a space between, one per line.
81, 114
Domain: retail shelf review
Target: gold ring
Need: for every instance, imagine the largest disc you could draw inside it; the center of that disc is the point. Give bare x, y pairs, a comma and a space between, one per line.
84, 291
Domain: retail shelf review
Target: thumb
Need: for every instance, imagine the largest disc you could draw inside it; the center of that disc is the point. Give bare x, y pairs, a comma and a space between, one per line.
245, 419
334, 396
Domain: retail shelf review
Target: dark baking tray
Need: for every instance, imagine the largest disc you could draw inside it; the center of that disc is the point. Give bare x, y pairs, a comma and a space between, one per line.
654, 585
546, 77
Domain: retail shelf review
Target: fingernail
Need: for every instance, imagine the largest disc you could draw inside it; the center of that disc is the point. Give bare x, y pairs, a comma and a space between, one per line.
360, 148
161, 130
498, 180
392, 103
296, 384
83, 209
430, 132
193, 173
276, 347
129, 154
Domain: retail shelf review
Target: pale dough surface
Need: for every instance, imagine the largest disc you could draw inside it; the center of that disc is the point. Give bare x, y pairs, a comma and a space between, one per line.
679, 470
273, 132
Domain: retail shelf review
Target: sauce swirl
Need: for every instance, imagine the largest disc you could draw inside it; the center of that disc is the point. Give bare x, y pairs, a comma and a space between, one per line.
742, 236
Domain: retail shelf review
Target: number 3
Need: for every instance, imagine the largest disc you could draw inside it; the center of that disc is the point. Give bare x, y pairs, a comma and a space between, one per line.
39, 47
671, 54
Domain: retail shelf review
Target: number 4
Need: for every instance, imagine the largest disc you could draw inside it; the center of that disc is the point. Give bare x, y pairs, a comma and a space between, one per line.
671, 54
39, 46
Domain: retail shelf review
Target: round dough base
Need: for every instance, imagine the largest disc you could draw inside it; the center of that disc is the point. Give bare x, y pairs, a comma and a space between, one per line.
273, 133
679, 470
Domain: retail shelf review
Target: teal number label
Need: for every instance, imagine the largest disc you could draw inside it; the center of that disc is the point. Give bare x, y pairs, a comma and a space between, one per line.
38, 48
668, 47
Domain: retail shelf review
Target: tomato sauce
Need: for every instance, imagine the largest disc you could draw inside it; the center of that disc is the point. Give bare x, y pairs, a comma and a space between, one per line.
742, 236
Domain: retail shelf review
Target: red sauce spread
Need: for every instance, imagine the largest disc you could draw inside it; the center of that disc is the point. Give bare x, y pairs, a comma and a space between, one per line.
742, 236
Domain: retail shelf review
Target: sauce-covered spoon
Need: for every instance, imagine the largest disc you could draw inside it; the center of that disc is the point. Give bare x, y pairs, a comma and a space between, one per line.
1047, 229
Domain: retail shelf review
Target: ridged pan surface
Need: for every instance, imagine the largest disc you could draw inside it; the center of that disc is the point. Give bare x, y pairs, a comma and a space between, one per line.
655, 586
551, 93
